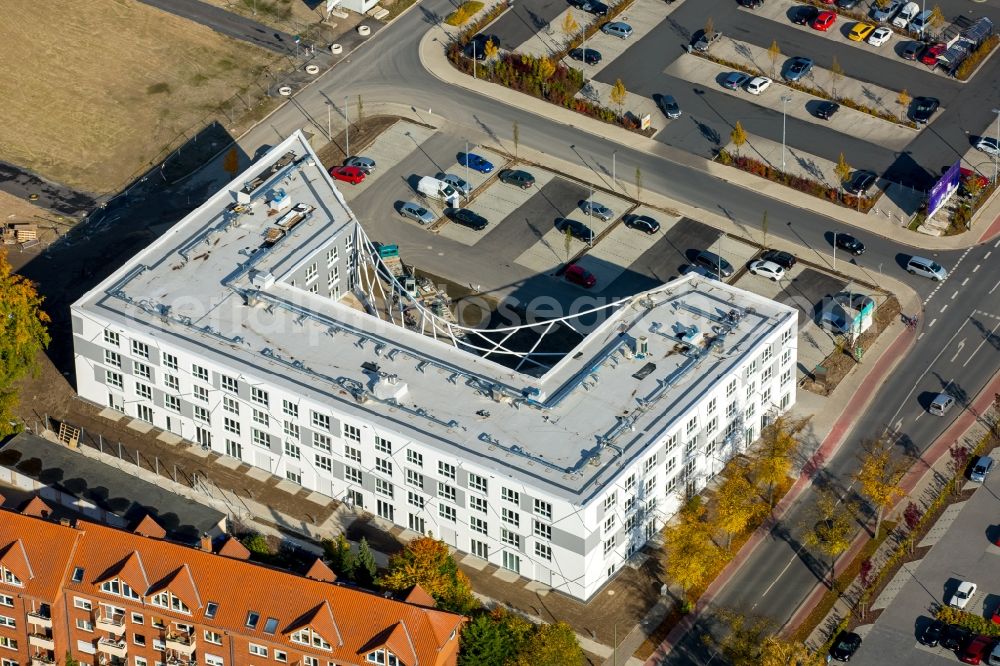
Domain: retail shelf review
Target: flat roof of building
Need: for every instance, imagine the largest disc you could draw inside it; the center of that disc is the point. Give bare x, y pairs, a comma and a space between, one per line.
217, 286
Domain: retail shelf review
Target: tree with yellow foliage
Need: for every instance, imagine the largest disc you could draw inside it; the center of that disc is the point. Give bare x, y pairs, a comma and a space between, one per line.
426, 562
879, 475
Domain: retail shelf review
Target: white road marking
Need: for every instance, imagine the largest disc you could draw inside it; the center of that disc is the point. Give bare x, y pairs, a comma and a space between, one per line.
963, 282
944, 308
954, 295
997, 244
920, 336
961, 345
985, 339
976, 268
995, 287
918, 416
933, 321
987, 255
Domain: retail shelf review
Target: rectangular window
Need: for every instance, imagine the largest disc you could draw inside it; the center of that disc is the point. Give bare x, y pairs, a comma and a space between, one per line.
447, 470
786, 335
730, 410
730, 388
477, 482
291, 429
140, 349
202, 414
786, 356
611, 501
144, 391
384, 466
477, 525
141, 370
649, 464
609, 546
321, 442
384, 510
510, 517
77, 602
477, 503
261, 417
139, 639
415, 499
751, 408
260, 438
169, 361
258, 650
671, 442
692, 425
229, 383
446, 492
172, 382
649, 485
292, 450
137, 618
765, 396
414, 478
290, 409
510, 495
113, 379
231, 425
383, 487
766, 374
542, 530
710, 407
712, 425
281, 655
630, 502
353, 475
543, 551
671, 464
201, 393
114, 359
352, 453
354, 433
199, 372
331, 255
543, 509
381, 444
630, 483
414, 458
786, 376
112, 338
324, 462
230, 404
260, 396
85, 625
312, 270
321, 421
751, 390
447, 512
510, 538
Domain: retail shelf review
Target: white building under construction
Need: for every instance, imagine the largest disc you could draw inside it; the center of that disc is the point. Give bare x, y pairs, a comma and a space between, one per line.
264, 325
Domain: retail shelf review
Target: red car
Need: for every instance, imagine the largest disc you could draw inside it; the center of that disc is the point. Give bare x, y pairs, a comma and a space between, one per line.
976, 649
824, 20
348, 174
581, 276
930, 56
968, 176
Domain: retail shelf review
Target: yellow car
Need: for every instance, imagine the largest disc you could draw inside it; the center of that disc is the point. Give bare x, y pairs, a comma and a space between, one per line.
860, 32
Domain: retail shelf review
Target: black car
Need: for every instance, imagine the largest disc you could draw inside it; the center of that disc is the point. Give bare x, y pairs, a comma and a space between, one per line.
931, 635
954, 637
594, 7
669, 106
752, 4
703, 40
714, 262
467, 218
850, 243
643, 223
588, 56
806, 15
476, 48
913, 50
844, 647
924, 108
522, 179
784, 259
860, 182
826, 110
577, 230
847, 4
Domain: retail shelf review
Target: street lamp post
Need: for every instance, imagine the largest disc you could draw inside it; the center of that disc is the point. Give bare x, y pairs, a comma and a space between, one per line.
590, 210
474, 59
784, 100
996, 154
347, 117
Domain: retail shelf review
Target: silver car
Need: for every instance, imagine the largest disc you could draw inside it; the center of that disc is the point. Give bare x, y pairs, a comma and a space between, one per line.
618, 29
416, 212
883, 14
366, 164
458, 183
598, 210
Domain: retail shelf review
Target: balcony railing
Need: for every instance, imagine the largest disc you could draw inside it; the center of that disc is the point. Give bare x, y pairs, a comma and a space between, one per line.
113, 647
41, 641
114, 624
42, 660
177, 660
41, 619
185, 644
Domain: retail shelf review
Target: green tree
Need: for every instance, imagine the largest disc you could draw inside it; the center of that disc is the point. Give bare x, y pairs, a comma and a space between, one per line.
738, 136
831, 529
426, 562
836, 74
23, 333
551, 645
494, 638
843, 169
257, 544
773, 53
339, 556
689, 553
70, 661
778, 448
619, 95
364, 569
734, 505
879, 475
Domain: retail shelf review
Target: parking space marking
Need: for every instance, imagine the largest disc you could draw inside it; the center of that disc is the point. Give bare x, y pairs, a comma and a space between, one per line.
643, 16
495, 203
389, 149
615, 252
933, 321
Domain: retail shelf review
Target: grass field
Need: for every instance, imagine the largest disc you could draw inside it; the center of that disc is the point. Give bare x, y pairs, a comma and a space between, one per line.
96, 92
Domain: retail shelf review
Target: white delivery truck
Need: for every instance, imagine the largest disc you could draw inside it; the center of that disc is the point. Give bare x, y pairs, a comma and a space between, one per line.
433, 188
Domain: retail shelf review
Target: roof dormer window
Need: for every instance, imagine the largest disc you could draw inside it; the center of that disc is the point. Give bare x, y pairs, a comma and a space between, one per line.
7, 576
382, 657
119, 587
306, 636
166, 599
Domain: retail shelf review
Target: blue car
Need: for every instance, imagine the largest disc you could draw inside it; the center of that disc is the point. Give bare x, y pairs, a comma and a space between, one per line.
476, 162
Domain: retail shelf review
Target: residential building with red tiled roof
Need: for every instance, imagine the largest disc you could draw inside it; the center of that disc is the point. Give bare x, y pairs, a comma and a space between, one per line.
115, 598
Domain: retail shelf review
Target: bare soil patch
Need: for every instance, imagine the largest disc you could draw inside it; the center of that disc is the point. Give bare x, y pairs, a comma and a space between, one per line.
95, 99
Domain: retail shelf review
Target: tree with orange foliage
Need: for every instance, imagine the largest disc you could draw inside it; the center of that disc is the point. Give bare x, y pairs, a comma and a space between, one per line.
23, 333
426, 562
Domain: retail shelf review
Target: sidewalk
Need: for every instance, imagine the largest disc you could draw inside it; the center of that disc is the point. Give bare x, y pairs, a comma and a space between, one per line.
433, 59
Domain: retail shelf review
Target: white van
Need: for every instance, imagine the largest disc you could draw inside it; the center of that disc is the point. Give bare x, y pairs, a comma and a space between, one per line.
432, 188
922, 21
905, 15
927, 268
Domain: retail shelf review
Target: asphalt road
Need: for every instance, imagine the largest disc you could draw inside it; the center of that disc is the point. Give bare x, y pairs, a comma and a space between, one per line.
228, 23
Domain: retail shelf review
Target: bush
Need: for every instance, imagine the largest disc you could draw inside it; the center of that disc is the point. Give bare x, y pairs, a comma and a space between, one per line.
464, 12
973, 60
975, 623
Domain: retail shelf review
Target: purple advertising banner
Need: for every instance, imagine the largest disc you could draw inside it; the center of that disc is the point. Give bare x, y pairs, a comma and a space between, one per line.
942, 189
